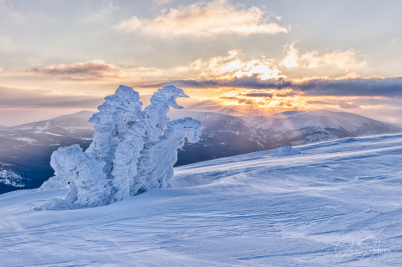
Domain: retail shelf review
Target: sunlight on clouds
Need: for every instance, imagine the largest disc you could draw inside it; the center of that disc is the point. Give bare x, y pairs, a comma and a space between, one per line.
214, 18
265, 102
261, 99
233, 66
231, 70
221, 67
292, 58
348, 76
311, 59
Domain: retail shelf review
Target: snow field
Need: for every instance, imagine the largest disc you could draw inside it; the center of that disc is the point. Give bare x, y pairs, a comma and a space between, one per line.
336, 204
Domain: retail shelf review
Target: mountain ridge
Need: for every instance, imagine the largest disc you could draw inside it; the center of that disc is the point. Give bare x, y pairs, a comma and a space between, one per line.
25, 149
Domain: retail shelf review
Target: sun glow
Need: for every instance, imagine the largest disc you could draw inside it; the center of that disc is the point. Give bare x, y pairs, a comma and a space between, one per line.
265, 102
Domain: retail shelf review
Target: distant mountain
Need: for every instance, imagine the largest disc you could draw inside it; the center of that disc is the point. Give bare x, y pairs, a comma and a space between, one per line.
25, 150
222, 136
299, 127
225, 135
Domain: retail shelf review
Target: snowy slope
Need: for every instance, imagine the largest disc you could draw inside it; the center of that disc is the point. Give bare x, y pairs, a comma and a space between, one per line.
25, 150
337, 203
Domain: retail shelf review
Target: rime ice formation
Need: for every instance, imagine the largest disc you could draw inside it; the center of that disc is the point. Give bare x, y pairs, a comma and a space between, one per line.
133, 158
87, 182
112, 123
55, 182
284, 151
133, 151
156, 164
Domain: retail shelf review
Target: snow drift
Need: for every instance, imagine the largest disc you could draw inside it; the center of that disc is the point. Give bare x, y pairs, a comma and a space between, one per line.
284, 151
337, 205
133, 151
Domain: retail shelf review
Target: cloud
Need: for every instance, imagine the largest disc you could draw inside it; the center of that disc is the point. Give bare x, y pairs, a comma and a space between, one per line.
233, 66
230, 71
92, 70
238, 100
36, 98
340, 104
292, 58
245, 101
96, 70
258, 95
211, 19
346, 105
162, 2
385, 87
311, 59
222, 67
244, 82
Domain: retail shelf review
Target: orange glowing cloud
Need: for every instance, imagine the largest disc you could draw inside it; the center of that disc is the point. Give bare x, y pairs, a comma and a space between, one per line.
214, 18
220, 68
311, 59
233, 66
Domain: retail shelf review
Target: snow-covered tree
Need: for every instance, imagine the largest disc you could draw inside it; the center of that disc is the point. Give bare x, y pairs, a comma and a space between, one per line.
133, 151
155, 168
112, 123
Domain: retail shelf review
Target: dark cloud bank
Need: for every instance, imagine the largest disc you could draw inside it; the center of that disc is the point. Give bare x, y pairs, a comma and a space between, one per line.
388, 87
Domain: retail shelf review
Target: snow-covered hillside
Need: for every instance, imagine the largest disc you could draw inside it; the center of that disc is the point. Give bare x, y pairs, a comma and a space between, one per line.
225, 135
337, 203
25, 150
300, 127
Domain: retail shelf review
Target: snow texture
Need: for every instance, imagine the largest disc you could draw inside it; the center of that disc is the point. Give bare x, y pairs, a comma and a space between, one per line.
336, 204
112, 123
55, 182
133, 151
87, 182
9, 177
284, 151
162, 155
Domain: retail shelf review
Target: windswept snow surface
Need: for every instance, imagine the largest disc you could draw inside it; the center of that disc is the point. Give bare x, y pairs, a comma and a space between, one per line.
336, 204
284, 151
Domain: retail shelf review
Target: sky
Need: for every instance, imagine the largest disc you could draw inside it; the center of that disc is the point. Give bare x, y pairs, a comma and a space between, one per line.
256, 57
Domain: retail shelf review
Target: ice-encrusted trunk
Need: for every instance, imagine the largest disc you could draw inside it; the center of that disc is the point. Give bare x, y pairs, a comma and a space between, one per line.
162, 155
136, 161
126, 157
112, 123
87, 182
133, 151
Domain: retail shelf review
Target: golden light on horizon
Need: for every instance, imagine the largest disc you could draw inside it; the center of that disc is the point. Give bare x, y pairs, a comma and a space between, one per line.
265, 102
